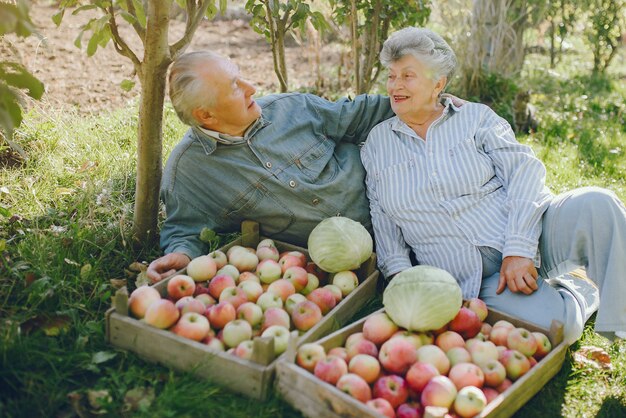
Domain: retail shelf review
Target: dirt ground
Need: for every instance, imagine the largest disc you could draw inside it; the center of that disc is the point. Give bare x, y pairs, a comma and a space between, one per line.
92, 84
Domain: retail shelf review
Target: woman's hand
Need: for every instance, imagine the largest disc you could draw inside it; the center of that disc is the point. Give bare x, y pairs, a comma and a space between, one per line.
166, 265
519, 274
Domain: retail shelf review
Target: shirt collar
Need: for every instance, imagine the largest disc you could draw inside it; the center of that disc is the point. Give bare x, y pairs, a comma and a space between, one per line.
209, 138
448, 110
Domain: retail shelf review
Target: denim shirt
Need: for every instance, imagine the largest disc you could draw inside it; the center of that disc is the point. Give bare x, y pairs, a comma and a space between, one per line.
299, 164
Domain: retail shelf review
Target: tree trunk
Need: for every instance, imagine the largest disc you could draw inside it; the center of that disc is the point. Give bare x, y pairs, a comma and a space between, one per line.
150, 133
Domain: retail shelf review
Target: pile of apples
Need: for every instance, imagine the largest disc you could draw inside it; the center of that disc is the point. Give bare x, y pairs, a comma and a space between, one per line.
226, 299
455, 370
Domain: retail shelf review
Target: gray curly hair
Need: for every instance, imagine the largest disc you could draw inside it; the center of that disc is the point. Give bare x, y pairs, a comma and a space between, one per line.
188, 90
425, 45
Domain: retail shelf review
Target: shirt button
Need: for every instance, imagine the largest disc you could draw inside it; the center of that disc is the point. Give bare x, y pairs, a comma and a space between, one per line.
268, 164
292, 183
315, 201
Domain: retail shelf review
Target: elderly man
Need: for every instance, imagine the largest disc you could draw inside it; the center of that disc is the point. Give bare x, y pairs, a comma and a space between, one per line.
286, 161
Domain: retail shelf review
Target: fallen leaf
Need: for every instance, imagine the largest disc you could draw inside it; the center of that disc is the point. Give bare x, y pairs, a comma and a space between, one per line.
593, 356
118, 283
51, 326
142, 279
102, 356
78, 405
137, 267
29, 278
138, 398
85, 270
98, 398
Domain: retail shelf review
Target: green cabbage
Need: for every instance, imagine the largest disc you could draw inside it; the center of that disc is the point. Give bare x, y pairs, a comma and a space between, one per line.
422, 298
339, 243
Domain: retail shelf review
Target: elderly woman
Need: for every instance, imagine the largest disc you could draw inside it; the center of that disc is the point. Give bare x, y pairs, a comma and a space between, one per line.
452, 185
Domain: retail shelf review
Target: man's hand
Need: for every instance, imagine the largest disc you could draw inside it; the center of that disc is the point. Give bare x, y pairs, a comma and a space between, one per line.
166, 265
519, 274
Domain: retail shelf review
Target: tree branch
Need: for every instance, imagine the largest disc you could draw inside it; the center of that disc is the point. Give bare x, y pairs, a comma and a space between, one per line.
131, 9
194, 17
120, 45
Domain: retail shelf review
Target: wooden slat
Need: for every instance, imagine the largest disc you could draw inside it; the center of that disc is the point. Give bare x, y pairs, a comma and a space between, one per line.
315, 398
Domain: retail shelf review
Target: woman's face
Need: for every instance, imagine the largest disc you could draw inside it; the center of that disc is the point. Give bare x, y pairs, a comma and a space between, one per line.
411, 88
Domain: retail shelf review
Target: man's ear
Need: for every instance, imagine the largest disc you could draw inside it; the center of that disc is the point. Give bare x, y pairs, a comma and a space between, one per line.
204, 117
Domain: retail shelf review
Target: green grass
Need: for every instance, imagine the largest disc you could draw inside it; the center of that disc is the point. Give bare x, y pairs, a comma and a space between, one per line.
64, 222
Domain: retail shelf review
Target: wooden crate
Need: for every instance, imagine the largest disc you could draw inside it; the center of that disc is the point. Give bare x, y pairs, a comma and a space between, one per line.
315, 398
252, 378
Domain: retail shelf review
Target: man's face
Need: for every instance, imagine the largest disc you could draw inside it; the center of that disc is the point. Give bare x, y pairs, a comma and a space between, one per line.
235, 109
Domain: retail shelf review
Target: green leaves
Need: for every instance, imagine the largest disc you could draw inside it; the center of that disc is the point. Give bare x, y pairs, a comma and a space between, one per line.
13, 76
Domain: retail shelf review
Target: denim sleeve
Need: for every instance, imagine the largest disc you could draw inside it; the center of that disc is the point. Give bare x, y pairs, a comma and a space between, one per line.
182, 226
351, 120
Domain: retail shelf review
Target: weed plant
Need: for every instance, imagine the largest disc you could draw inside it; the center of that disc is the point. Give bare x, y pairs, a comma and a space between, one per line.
65, 217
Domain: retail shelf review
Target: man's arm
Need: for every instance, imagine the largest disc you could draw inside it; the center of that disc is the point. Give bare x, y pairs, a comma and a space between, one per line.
167, 265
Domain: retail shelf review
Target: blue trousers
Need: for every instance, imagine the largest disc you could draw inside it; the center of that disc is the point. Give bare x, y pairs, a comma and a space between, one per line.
582, 228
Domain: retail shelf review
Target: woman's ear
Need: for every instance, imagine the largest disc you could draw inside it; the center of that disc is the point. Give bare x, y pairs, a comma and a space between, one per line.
204, 117
439, 86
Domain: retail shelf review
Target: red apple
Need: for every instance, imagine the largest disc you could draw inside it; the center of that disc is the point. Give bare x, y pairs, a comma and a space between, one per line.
306, 315
393, 388
365, 366
269, 300
483, 351
347, 281
314, 269
522, 340
193, 326
382, 406
292, 258
435, 356
458, 355
162, 314
309, 354
466, 323
449, 339
243, 258
339, 352
397, 355
275, 316
283, 288
250, 312
419, 375
410, 410
297, 276
202, 268
478, 306
414, 338
292, 301
234, 295
439, 391
244, 350
140, 299
330, 369
268, 271
179, 286
323, 298
221, 314
280, 335
466, 374
502, 387
248, 276
378, 328
362, 346
494, 372
265, 253
219, 283
312, 283
353, 338
335, 291
252, 290
490, 394
355, 386
470, 401
219, 258
515, 363
235, 332
190, 304
543, 345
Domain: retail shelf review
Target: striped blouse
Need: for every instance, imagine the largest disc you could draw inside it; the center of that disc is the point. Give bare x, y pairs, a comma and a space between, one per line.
469, 184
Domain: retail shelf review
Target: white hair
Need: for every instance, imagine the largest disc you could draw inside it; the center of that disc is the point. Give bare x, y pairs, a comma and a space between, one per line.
425, 45
188, 90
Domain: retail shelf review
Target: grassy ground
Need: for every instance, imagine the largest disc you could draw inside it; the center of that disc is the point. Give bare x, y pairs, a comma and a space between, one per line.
65, 213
